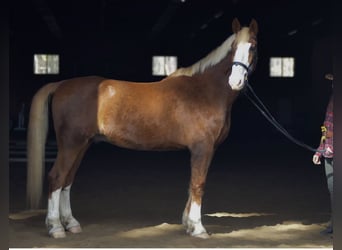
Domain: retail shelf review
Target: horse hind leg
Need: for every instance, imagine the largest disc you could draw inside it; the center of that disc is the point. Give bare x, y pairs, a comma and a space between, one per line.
52, 221
58, 175
68, 220
201, 155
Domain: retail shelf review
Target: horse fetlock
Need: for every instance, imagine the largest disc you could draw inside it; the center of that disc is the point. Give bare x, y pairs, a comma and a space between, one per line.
195, 228
199, 231
55, 228
71, 224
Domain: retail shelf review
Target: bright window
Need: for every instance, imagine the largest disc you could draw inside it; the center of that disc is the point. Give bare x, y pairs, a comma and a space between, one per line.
282, 66
163, 65
46, 64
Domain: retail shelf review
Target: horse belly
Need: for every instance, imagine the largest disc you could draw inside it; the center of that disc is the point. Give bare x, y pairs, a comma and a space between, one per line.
140, 134
145, 130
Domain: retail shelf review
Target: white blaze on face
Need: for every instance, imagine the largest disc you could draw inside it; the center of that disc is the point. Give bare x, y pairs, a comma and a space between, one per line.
237, 76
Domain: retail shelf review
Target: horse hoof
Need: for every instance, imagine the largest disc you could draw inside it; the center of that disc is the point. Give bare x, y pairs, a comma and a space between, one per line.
58, 234
203, 235
75, 230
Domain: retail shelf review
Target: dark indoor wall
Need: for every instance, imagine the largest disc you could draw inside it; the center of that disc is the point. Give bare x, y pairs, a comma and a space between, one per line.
297, 102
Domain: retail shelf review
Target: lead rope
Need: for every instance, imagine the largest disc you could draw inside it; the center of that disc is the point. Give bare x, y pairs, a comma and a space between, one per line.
265, 112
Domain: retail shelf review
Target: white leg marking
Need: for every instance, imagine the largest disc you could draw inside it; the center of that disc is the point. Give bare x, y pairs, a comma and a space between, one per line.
52, 221
194, 221
53, 205
195, 212
68, 221
64, 206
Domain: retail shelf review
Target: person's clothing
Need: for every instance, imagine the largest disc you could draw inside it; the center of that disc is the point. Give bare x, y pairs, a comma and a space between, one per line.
329, 173
326, 147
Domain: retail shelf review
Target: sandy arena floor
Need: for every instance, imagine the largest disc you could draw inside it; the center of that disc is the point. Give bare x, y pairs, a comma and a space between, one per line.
135, 199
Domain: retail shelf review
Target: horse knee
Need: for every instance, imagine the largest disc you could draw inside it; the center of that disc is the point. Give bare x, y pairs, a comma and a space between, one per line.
56, 180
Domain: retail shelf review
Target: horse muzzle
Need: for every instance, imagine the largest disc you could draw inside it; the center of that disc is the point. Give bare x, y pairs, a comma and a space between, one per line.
236, 83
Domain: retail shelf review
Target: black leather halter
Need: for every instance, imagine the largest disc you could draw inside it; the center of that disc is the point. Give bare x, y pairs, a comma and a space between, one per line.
249, 68
248, 71
242, 65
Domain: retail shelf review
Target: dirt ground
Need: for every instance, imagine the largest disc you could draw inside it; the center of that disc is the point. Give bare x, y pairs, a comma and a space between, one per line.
253, 198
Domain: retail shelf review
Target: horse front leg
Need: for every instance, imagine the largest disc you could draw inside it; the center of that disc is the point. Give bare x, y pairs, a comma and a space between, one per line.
201, 156
53, 223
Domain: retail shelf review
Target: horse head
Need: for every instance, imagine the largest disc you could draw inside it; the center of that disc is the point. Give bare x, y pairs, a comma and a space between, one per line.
244, 51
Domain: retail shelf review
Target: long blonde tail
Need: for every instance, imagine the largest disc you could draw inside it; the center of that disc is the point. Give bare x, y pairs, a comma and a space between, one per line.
36, 139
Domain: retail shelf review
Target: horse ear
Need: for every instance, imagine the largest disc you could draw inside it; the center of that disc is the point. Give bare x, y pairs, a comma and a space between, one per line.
236, 26
253, 26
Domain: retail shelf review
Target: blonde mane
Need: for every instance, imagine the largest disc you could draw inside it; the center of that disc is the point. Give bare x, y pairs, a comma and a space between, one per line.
212, 58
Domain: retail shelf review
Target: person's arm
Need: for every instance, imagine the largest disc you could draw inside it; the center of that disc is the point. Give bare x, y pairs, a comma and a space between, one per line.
316, 159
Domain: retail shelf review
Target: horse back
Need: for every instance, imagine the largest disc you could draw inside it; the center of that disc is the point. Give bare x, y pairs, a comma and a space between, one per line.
169, 114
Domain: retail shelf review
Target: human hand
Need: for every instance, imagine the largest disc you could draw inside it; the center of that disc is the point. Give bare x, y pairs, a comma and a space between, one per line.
316, 159
329, 77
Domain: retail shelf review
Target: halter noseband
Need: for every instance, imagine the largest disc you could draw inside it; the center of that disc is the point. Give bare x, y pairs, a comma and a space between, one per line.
248, 69
242, 65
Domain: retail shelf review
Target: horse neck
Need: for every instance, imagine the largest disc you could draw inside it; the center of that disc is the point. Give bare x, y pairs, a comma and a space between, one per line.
217, 76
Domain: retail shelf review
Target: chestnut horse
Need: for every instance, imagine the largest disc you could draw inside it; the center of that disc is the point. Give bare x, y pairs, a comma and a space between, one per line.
190, 109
